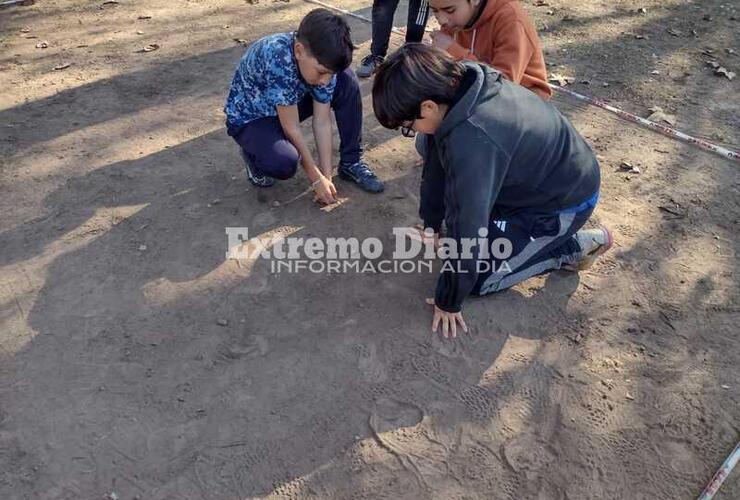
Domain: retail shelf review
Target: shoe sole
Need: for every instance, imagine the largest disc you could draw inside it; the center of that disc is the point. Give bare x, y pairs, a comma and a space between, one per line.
589, 260
348, 177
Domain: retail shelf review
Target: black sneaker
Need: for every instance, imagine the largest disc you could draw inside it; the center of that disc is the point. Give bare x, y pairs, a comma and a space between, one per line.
361, 174
256, 177
368, 65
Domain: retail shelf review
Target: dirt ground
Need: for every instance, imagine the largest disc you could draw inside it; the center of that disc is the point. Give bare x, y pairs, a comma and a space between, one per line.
118, 380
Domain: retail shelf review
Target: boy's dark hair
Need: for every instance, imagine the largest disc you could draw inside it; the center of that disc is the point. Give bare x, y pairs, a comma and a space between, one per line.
327, 36
414, 74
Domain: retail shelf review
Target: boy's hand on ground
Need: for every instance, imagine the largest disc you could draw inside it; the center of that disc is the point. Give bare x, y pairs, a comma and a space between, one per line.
441, 40
448, 320
325, 191
421, 235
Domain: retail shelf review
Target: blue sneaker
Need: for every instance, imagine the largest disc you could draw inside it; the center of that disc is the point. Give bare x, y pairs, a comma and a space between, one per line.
256, 177
361, 174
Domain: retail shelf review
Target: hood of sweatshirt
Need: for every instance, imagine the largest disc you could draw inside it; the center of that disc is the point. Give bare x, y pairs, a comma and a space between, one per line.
492, 6
478, 92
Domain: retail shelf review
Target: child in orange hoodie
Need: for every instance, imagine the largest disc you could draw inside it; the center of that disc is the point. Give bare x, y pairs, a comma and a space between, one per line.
495, 32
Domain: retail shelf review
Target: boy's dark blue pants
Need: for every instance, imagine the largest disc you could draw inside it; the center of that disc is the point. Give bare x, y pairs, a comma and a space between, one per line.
265, 143
540, 243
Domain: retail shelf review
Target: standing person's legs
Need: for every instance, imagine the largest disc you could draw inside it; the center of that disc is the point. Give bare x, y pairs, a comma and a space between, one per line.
383, 11
266, 149
539, 243
417, 20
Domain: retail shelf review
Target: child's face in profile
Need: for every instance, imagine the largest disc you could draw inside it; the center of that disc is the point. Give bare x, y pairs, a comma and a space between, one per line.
453, 15
311, 70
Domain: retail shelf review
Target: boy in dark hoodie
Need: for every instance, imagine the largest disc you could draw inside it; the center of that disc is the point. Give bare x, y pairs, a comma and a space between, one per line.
502, 167
495, 32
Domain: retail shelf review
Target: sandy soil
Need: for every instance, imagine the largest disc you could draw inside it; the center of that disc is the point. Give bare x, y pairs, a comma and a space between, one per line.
117, 380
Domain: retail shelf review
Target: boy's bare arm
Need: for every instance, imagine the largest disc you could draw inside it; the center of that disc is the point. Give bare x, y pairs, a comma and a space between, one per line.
323, 135
322, 184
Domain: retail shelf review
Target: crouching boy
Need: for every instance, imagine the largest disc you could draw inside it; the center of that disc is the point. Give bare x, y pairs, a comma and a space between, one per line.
500, 165
283, 79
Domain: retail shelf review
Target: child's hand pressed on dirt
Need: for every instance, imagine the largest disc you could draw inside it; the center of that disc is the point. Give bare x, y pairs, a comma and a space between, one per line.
325, 191
448, 320
423, 236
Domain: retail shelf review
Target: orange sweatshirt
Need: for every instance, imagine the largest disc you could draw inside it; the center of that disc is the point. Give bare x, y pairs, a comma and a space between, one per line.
505, 38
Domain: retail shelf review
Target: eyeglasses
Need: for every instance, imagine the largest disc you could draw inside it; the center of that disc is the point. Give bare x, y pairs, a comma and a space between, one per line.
408, 131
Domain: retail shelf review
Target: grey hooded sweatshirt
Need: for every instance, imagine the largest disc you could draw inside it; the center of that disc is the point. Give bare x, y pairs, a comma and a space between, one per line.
500, 150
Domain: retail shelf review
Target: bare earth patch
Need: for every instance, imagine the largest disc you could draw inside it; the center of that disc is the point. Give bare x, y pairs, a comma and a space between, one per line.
136, 362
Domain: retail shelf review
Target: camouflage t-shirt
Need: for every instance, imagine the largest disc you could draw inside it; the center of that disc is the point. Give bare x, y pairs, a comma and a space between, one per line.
267, 77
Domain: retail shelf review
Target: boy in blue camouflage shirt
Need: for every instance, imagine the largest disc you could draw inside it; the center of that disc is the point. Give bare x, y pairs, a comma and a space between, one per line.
283, 79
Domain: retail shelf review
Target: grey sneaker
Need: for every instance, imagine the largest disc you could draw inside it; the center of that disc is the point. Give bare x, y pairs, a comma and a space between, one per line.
256, 177
368, 65
594, 243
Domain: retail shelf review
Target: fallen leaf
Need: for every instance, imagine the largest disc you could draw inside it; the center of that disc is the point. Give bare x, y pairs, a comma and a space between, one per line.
722, 71
42, 45
149, 48
731, 51
674, 32
241, 41
561, 80
25, 30
655, 72
658, 115
629, 168
62, 66
713, 64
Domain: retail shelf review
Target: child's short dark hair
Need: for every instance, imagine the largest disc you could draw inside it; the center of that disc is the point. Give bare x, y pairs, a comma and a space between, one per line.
327, 37
414, 74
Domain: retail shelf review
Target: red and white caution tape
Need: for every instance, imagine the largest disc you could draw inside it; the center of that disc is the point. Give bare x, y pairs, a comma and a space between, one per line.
663, 129
721, 475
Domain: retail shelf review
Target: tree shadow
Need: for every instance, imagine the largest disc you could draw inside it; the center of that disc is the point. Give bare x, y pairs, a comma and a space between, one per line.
156, 397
